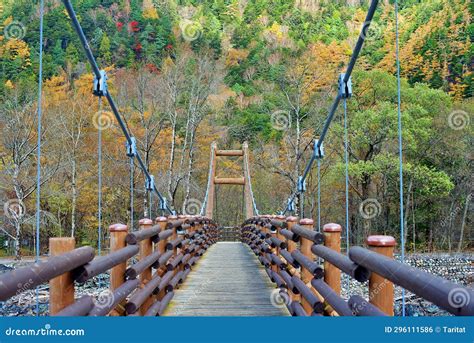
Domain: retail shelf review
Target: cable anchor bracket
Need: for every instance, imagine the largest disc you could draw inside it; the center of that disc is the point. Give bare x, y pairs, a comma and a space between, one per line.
100, 84
132, 147
318, 151
290, 207
345, 88
301, 185
163, 204
150, 183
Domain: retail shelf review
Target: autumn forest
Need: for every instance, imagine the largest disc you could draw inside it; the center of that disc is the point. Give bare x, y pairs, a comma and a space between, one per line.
186, 73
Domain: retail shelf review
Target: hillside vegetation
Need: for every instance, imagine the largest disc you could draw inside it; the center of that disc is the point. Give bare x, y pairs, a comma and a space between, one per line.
186, 73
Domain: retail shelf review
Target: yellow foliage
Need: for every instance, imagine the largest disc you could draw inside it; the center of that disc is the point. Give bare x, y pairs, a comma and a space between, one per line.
277, 36
321, 65
235, 56
16, 49
9, 84
167, 63
149, 10
414, 59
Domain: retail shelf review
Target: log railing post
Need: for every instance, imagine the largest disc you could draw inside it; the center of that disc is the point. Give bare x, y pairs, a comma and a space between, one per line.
276, 250
305, 248
118, 232
332, 240
146, 248
381, 289
161, 221
61, 288
290, 221
279, 235
161, 246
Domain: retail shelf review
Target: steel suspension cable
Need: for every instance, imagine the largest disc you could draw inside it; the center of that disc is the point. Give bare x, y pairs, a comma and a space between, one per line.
206, 196
319, 194
346, 162
38, 149
99, 185
337, 100
113, 106
346, 167
254, 204
400, 146
132, 166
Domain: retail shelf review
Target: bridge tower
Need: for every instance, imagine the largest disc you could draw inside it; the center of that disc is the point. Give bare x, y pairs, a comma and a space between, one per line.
244, 181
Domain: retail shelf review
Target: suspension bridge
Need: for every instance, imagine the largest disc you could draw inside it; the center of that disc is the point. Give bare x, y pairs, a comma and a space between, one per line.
270, 265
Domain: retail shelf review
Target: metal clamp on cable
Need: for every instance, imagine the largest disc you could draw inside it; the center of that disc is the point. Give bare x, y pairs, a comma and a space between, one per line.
290, 207
301, 185
345, 88
132, 147
150, 183
163, 204
100, 85
318, 153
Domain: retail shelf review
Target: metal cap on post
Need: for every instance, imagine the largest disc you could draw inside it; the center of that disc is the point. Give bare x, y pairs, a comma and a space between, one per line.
380, 289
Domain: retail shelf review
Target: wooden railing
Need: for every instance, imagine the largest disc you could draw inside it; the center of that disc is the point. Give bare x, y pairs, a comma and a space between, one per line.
166, 249
288, 248
229, 234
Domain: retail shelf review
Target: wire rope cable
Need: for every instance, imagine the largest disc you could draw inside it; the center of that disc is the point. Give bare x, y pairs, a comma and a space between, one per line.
400, 146
38, 149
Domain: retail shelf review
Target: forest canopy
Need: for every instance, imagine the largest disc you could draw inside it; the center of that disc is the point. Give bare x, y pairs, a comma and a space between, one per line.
187, 73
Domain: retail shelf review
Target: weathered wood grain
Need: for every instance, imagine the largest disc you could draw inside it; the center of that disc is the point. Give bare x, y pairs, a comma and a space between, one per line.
227, 281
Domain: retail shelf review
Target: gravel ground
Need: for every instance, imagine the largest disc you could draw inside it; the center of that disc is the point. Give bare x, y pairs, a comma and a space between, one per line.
457, 268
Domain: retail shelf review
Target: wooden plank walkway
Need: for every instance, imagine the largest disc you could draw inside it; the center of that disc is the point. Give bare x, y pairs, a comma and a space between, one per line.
227, 281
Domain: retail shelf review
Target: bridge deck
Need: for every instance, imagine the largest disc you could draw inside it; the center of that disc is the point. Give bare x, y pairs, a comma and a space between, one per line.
227, 281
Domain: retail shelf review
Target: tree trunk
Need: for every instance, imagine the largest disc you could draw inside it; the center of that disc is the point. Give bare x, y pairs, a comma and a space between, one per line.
188, 172
74, 197
463, 223
171, 164
17, 240
407, 207
450, 223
